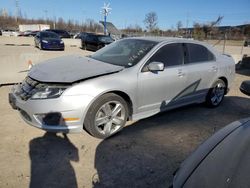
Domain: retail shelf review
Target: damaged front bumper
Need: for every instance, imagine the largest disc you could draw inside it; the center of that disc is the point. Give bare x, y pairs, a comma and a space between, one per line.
63, 114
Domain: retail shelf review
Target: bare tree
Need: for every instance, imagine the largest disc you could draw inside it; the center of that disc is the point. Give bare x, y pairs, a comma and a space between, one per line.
179, 25
150, 21
207, 28
198, 32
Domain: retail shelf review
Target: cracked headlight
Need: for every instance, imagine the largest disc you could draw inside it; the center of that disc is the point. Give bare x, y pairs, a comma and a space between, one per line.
48, 92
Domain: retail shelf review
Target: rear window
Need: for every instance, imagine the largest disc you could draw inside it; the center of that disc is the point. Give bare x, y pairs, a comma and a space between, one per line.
198, 53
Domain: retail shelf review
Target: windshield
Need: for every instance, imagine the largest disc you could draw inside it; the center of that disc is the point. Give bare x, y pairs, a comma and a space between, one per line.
50, 35
126, 53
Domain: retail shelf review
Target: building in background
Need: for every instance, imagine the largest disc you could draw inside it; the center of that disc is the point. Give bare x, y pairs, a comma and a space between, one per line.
33, 27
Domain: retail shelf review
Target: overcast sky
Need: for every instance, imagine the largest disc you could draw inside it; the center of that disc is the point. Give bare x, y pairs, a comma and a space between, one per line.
131, 12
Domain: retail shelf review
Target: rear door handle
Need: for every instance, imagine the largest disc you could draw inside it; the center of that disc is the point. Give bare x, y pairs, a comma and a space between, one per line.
180, 73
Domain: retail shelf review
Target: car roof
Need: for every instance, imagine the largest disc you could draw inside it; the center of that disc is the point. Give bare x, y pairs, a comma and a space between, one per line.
168, 39
175, 39
47, 32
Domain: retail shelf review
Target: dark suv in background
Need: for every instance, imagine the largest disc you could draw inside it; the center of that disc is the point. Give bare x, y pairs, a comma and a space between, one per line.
61, 33
95, 42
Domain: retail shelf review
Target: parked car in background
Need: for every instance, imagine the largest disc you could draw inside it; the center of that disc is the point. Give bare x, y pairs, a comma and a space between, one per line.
28, 33
247, 42
10, 32
222, 160
130, 79
46, 40
81, 35
60, 32
95, 42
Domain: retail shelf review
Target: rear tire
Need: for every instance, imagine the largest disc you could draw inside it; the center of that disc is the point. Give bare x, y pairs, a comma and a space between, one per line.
99, 47
106, 116
216, 94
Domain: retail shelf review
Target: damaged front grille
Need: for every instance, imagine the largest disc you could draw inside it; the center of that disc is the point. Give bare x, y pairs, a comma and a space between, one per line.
28, 88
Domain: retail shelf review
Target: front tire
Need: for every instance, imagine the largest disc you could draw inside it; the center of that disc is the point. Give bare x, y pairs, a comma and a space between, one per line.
40, 46
84, 46
106, 116
216, 94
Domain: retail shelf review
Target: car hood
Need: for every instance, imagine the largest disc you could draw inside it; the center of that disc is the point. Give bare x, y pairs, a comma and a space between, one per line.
69, 69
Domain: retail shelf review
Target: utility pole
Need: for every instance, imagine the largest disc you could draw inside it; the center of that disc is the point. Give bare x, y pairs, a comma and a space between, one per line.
46, 15
187, 25
105, 11
17, 10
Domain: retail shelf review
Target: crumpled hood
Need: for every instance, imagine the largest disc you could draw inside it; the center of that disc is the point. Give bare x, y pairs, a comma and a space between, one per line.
70, 69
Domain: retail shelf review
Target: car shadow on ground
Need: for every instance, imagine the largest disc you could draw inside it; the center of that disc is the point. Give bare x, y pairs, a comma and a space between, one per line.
148, 152
50, 157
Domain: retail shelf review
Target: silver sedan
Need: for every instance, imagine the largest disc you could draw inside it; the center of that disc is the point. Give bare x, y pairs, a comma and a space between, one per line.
129, 79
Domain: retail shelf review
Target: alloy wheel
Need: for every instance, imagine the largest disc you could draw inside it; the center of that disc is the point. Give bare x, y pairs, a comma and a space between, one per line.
218, 93
110, 117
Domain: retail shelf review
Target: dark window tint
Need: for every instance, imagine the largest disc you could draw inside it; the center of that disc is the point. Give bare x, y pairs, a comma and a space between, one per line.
198, 53
91, 38
170, 55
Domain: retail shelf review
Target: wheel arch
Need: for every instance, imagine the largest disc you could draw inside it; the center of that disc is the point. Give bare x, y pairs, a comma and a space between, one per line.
224, 79
126, 97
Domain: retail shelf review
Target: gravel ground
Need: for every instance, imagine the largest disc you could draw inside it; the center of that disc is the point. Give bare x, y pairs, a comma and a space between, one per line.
144, 154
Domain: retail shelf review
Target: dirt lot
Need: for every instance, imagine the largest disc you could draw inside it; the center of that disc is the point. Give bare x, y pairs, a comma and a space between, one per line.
144, 154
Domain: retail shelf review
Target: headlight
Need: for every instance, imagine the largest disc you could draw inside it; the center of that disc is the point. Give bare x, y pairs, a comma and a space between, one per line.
48, 92
44, 41
61, 41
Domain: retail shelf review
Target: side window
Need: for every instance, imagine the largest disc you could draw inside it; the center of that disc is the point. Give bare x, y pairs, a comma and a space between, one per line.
170, 55
89, 38
198, 53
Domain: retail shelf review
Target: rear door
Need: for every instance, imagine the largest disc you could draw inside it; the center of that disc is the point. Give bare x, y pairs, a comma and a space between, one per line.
91, 42
159, 90
202, 69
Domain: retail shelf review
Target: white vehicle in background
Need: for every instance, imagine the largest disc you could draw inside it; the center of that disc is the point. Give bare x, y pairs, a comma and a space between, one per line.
9, 33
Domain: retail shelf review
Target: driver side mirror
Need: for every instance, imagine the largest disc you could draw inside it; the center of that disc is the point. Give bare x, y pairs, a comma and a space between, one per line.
155, 66
245, 87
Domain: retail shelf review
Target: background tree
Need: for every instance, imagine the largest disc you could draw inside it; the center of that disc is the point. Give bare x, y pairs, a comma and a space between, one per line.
179, 25
198, 33
151, 21
207, 28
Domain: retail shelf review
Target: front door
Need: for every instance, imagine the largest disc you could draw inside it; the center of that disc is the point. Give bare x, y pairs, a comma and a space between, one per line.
159, 90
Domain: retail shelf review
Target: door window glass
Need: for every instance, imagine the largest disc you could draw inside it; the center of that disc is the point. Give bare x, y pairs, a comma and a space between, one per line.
198, 53
170, 55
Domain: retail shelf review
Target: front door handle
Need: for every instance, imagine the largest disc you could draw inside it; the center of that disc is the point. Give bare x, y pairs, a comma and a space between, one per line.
214, 68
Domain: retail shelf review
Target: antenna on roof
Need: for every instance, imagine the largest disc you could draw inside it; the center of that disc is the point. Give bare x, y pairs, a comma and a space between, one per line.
105, 10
